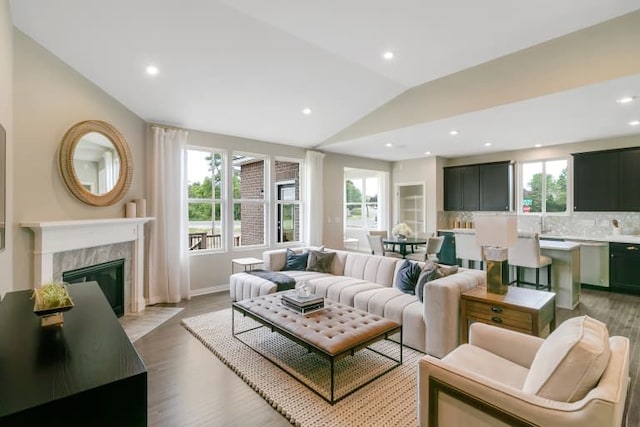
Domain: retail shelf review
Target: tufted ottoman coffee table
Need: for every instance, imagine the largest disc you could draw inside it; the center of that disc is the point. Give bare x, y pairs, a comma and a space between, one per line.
335, 332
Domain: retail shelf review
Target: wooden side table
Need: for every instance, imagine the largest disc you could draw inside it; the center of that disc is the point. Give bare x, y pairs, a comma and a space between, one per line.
520, 309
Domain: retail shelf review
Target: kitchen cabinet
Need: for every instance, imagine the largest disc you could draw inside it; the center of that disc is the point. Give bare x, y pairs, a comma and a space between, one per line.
448, 251
482, 187
602, 180
624, 267
495, 187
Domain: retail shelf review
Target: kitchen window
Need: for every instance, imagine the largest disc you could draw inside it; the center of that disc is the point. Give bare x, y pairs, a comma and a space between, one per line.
543, 186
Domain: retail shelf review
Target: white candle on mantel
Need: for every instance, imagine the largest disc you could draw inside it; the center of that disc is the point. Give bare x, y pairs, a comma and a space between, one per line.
141, 207
130, 210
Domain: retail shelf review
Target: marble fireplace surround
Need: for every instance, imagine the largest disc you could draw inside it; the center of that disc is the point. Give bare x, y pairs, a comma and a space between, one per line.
86, 238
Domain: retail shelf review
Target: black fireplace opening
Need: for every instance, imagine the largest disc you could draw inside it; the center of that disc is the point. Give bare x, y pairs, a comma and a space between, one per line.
110, 278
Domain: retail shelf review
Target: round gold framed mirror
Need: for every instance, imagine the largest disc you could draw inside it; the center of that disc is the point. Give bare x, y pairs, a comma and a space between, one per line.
95, 163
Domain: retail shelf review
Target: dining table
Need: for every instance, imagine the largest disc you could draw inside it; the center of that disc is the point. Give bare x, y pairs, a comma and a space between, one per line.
403, 242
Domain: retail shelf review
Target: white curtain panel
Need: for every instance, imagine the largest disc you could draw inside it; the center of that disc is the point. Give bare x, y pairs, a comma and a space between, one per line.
314, 193
168, 239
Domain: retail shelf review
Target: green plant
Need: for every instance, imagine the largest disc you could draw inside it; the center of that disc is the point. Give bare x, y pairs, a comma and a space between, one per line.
52, 295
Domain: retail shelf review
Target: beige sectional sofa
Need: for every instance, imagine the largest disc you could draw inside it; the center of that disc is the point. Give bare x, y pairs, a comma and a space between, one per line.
366, 282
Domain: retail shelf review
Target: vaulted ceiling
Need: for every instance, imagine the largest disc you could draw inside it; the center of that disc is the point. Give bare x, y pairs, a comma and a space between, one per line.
508, 73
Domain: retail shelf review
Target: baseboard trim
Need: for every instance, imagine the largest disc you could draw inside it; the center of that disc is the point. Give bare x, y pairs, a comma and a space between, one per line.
210, 290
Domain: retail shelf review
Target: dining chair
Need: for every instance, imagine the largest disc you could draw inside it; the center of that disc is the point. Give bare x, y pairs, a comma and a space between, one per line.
377, 248
384, 234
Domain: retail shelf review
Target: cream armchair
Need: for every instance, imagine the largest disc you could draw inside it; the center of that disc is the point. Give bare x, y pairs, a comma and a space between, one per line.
491, 381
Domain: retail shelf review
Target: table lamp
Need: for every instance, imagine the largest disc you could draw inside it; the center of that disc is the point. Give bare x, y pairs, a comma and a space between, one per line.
496, 233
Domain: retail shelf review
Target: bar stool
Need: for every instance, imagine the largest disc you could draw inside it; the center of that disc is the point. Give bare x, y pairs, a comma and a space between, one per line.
526, 254
467, 248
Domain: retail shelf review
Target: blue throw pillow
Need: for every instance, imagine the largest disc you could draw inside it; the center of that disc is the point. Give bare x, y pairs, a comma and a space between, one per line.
407, 277
296, 261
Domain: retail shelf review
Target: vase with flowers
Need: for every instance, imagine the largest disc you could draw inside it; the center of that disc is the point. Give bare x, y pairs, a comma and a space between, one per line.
401, 230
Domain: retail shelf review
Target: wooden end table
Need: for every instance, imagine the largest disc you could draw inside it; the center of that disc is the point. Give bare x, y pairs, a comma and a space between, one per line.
520, 309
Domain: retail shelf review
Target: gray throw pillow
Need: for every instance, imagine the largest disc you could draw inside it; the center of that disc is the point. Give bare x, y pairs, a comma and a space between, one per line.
428, 273
320, 261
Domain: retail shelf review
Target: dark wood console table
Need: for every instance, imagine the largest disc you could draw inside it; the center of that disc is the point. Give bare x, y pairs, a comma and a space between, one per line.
84, 373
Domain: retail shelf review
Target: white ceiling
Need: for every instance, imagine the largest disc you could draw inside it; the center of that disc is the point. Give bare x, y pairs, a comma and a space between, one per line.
248, 67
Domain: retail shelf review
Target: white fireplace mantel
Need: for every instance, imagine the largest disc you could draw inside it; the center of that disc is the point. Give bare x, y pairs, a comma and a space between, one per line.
60, 236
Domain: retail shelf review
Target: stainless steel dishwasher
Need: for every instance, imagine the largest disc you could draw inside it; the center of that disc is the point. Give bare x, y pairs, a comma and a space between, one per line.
594, 262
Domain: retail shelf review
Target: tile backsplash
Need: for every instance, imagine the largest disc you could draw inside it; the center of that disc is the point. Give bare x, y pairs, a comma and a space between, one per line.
578, 224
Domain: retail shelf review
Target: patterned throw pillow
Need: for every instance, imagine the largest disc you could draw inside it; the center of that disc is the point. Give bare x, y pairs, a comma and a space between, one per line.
432, 271
407, 277
320, 261
428, 272
296, 261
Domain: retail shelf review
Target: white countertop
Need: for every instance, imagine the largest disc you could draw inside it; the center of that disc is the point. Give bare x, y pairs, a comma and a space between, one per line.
586, 239
560, 246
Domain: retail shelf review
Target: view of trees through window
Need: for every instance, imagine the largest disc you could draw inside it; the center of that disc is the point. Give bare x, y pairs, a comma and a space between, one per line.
361, 202
205, 190
544, 186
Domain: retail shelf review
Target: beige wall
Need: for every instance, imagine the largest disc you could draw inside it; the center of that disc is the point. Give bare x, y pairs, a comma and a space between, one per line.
6, 119
333, 172
50, 97
209, 270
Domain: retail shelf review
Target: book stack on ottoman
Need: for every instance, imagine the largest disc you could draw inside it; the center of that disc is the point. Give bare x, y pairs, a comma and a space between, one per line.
302, 304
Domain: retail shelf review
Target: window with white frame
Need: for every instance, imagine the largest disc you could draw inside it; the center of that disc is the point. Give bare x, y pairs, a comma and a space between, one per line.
287, 198
543, 186
206, 199
249, 199
363, 191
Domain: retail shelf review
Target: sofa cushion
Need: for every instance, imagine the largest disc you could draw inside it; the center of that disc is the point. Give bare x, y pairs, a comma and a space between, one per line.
571, 360
407, 277
320, 261
296, 261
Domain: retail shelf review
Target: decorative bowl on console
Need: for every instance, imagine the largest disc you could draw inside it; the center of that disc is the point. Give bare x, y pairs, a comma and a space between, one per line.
51, 300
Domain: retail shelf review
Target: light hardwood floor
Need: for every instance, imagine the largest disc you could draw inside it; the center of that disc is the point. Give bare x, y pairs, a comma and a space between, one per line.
189, 386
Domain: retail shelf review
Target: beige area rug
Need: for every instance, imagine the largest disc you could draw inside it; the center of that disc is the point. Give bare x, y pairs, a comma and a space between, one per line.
388, 401
137, 325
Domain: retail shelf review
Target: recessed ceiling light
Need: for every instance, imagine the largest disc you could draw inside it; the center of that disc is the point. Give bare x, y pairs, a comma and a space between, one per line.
388, 55
428, 153
388, 144
306, 111
625, 99
634, 123
487, 144
538, 145
152, 70
453, 132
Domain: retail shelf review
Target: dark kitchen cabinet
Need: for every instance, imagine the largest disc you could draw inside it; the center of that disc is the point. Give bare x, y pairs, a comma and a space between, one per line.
605, 180
628, 180
624, 267
495, 187
453, 189
483, 187
595, 181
